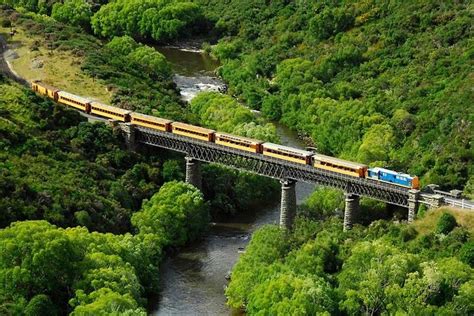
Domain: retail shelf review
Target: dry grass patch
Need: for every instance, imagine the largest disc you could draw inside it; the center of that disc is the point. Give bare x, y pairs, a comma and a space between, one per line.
61, 69
427, 224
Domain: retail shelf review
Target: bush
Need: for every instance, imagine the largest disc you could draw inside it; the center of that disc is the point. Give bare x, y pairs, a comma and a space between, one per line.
40, 305
446, 224
467, 253
6, 23
421, 211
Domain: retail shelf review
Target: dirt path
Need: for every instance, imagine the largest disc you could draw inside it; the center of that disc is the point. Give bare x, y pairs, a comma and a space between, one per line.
5, 67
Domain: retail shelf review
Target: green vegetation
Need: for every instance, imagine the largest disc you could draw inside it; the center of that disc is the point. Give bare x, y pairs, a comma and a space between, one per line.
55, 166
74, 12
231, 191
225, 114
157, 20
139, 77
150, 19
99, 273
383, 83
384, 268
446, 224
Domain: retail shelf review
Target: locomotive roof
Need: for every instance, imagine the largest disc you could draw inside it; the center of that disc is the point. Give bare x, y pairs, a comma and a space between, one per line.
192, 127
339, 161
110, 108
288, 149
378, 169
73, 96
251, 140
150, 117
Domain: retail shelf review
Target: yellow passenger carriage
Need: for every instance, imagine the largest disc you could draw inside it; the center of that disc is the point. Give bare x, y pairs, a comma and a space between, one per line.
111, 112
150, 121
75, 101
44, 89
287, 153
339, 165
193, 131
242, 143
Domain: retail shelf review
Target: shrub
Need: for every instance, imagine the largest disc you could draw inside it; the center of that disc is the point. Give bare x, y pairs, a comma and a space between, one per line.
467, 253
446, 224
6, 23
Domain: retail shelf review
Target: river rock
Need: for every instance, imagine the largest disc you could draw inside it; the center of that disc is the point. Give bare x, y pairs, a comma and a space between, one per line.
37, 63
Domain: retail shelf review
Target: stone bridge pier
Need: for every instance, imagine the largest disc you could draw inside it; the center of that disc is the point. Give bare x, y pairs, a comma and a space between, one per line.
288, 204
413, 204
193, 172
128, 131
351, 210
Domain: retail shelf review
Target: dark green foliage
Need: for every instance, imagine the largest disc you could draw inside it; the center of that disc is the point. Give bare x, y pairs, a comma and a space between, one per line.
40, 305
231, 191
172, 170
178, 213
446, 224
44, 267
141, 76
57, 167
155, 20
74, 12
380, 83
467, 253
384, 268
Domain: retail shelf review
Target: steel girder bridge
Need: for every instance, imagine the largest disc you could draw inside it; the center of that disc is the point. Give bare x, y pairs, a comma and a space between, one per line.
287, 172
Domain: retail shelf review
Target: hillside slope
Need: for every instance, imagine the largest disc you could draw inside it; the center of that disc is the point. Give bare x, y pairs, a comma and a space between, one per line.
387, 84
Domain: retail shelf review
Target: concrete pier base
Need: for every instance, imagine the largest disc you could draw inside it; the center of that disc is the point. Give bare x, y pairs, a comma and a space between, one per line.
193, 172
288, 204
351, 210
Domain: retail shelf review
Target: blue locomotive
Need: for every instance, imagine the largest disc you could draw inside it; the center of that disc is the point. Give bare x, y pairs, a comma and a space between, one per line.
394, 177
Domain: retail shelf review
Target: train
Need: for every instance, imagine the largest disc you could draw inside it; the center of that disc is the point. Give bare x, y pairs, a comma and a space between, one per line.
277, 151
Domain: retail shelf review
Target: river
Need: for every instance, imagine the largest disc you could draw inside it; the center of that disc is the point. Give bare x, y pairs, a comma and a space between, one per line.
193, 280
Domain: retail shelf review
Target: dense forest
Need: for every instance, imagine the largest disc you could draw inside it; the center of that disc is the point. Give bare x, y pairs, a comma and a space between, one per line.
382, 269
384, 83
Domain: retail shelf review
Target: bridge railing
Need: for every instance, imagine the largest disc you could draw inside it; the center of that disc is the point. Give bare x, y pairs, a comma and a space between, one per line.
463, 203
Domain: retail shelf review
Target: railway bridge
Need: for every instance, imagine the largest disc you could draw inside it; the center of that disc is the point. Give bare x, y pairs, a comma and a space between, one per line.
287, 172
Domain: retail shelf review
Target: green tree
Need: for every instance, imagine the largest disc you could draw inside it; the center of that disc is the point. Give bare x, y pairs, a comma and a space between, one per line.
370, 273
268, 245
288, 294
75, 12
177, 212
446, 223
376, 145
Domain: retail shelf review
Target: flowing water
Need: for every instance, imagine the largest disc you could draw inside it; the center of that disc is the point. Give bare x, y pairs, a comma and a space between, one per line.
194, 71
193, 280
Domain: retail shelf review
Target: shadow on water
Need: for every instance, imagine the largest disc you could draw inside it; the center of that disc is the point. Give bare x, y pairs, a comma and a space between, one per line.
192, 281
